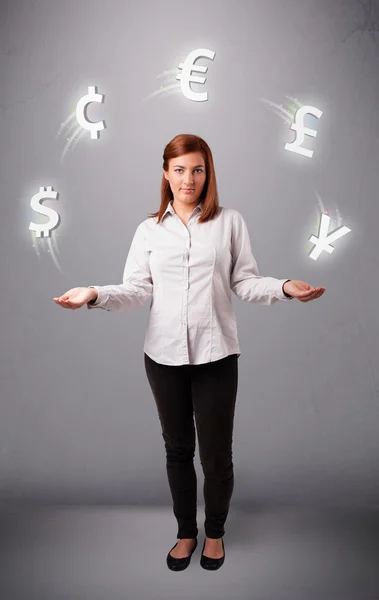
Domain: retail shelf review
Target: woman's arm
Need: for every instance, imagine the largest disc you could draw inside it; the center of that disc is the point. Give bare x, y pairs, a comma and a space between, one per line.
137, 285
245, 280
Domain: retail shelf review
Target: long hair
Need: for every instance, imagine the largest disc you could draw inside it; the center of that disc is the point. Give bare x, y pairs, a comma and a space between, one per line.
183, 144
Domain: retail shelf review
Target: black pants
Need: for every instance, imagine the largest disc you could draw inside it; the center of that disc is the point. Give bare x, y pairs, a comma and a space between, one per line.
209, 392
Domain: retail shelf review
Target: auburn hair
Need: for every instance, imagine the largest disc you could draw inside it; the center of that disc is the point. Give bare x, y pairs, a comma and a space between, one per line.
183, 144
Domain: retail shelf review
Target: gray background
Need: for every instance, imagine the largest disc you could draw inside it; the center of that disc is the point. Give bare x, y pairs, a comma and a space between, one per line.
78, 422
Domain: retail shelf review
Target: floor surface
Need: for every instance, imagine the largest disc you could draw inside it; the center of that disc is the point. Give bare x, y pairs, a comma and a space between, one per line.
275, 553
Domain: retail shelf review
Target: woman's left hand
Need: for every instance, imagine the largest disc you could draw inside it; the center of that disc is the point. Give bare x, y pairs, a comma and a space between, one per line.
302, 290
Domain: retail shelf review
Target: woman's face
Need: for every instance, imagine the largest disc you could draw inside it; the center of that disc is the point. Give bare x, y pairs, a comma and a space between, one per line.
186, 172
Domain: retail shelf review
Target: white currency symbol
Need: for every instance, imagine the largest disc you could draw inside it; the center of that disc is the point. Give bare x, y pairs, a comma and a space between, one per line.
186, 78
92, 96
301, 130
322, 242
44, 228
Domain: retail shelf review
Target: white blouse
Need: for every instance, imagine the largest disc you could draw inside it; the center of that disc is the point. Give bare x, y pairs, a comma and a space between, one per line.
188, 272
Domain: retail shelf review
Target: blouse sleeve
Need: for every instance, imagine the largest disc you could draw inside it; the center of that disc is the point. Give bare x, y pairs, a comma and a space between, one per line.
245, 280
137, 285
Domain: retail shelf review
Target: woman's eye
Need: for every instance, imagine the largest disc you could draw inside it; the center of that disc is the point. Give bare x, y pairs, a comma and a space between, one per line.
177, 170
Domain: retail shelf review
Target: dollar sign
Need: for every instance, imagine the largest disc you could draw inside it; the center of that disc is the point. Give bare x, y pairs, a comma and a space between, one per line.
43, 229
301, 130
92, 96
185, 76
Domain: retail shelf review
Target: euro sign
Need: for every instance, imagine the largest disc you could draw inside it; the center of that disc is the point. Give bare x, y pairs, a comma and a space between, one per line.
92, 96
301, 130
43, 229
186, 78
322, 242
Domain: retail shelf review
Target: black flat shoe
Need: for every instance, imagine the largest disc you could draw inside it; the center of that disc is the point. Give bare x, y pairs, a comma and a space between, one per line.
179, 564
211, 564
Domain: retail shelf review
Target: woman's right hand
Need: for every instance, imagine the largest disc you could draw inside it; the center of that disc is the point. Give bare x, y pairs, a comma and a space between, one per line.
76, 297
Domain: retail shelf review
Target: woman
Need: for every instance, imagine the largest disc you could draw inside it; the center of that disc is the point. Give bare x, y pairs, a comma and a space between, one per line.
186, 258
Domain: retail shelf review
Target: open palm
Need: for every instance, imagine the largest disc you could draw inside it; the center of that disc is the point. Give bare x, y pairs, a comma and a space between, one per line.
302, 290
74, 298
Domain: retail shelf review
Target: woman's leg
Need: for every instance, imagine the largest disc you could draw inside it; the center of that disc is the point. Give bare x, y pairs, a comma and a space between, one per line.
214, 391
171, 389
